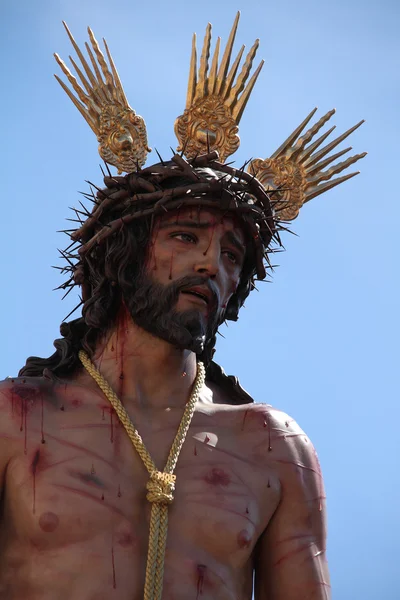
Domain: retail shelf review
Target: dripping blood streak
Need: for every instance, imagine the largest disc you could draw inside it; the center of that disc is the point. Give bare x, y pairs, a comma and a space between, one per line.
244, 419
153, 243
267, 423
195, 451
119, 492
21, 428
33, 469
170, 267
113, 568
200, 579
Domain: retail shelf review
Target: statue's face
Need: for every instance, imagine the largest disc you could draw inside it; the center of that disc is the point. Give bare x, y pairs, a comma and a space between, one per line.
194, 263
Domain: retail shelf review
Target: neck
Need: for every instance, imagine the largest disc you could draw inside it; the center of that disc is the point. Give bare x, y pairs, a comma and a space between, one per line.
143, 369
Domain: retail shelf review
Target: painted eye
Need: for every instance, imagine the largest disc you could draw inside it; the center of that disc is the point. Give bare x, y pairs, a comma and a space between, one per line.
185, 237
231, 256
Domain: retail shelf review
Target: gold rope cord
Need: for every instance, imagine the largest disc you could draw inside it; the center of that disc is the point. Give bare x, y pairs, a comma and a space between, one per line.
161, 485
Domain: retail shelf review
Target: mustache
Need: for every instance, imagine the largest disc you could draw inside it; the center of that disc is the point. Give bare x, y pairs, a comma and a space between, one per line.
190, 281
168, 294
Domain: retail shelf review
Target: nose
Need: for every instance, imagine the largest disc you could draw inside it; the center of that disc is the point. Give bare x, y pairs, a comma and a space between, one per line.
207, 262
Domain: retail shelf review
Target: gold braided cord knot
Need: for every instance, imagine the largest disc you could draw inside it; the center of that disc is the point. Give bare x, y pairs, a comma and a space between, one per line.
161, 485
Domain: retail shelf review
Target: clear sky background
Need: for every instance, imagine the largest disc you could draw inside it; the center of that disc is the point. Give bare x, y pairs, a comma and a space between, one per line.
321, 341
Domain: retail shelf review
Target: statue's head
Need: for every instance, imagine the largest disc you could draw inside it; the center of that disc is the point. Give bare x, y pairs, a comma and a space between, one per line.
176, 246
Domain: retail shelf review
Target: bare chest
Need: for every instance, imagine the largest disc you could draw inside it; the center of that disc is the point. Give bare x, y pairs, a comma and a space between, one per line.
78, 486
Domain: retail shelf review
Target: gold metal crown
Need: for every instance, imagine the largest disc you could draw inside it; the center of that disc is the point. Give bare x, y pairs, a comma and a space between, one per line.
215, 103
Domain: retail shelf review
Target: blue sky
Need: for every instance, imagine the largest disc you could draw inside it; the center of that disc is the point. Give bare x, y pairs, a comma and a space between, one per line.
321, 341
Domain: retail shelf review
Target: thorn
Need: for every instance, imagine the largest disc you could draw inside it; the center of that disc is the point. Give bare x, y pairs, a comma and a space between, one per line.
63, 255
76, 210
87, 213
72, 311
159, 156
66, 293
108, 169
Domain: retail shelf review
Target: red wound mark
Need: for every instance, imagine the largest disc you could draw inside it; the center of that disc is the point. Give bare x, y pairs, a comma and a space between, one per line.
48, 522
125, 540
217, 477
35, 462
244, 419
184, 374
102, 496
201, 570
113, 567
267, 423
243, 539
247, 510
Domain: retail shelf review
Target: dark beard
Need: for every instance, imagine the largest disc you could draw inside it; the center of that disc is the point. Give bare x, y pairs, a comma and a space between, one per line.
152, 307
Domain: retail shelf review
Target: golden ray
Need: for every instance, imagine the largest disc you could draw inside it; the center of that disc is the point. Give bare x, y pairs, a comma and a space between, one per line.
312, 147
118, 85
324, 151
224, 66
241, 105
121, 133
327, 161
96, 69
215, 103
81, 57
214, 66
192, 74
242, 78
80, 75
320, 189
308, 136
293, 136
232, 73
202, 86
297, 169
325, 175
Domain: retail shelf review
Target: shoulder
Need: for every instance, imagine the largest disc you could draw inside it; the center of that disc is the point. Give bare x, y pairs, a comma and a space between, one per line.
280, 441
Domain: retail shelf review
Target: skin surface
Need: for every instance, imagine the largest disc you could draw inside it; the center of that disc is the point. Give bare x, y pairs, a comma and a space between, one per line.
249, 492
